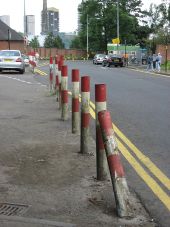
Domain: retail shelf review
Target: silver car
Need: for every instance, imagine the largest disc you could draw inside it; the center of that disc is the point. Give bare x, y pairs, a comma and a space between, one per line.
98, 58
12, 60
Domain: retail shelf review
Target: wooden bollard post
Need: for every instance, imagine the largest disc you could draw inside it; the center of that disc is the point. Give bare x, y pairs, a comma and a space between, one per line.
75, 101
55, 70
51, 75
85, 113
60, 64
119, 183
101, 161
56, 87
64, 92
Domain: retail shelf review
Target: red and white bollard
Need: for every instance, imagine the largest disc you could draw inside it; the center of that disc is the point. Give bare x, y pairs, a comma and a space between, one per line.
85, 113
60, 64
101, 161
57, 88
119, 183
64, 92
51, 75
75, 101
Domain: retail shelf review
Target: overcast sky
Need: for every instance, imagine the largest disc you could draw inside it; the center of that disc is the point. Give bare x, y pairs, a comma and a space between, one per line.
67, 12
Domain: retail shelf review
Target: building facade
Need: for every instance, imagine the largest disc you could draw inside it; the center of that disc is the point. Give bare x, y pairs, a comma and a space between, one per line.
49, 20
30, 25
53, 20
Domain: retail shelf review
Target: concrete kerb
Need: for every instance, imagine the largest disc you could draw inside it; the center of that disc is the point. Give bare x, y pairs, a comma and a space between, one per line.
143, 69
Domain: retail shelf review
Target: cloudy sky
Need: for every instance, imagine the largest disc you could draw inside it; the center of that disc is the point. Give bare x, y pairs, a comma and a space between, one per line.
67, 10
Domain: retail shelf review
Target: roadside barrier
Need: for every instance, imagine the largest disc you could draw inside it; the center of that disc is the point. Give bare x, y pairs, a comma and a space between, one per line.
75, 101
107, 153
119, 183
60, 64
51, 75
57, 88
101, 161
64, 92
85, 113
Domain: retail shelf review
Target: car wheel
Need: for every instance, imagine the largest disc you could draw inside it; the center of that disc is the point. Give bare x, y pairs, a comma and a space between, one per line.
108, 64
22, 71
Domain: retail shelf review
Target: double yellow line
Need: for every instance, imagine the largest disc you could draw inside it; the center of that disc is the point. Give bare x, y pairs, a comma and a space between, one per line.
40, 72
153, 185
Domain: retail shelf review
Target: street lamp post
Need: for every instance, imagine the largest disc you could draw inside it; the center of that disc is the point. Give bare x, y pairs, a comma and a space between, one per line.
87, 21
24, 20
9, 37
118, 19
166, 53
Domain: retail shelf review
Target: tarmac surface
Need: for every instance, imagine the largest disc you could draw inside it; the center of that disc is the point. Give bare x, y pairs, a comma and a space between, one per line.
44, 180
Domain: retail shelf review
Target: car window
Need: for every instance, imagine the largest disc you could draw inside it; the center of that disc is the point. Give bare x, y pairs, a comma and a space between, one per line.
9, 53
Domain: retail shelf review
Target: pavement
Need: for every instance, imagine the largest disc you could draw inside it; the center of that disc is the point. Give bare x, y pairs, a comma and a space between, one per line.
144, 68
44, 180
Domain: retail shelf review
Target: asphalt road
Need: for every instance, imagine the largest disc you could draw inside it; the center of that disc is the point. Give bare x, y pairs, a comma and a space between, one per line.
139, 103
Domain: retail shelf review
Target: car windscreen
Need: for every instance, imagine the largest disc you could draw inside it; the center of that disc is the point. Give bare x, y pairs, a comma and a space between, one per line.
9, 53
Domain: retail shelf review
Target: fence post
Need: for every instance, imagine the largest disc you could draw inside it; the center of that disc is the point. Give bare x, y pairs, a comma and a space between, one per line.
85, 113
119, 183
101, 161
64, 92
75, 101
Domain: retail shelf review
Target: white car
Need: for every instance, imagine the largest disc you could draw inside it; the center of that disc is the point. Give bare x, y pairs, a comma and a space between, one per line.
26, 59
12, 60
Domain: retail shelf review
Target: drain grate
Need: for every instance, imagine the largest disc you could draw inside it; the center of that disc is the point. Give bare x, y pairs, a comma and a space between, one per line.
10, 209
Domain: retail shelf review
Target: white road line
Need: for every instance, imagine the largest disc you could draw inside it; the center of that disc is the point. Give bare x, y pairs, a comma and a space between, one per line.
22, 81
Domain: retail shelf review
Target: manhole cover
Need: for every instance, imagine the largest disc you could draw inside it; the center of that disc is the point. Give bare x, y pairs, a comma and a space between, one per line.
11, 209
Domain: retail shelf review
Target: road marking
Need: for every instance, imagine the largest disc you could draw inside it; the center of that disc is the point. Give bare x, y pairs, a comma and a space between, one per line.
143, 158
22, 81
40, 72
153, 185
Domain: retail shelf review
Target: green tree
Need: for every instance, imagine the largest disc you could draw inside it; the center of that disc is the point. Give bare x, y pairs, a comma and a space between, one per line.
34, 43
102, 23
53, 41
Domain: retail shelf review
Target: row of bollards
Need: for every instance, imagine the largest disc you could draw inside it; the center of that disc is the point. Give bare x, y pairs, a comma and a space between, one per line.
107, 152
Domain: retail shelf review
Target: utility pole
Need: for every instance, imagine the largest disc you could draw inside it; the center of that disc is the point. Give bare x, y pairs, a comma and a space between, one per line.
87, 21
24, 21
118, 19
117, 24
9, 37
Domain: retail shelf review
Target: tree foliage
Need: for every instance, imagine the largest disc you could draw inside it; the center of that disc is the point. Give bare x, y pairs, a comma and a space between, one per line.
34, 43
135, 24
53, 41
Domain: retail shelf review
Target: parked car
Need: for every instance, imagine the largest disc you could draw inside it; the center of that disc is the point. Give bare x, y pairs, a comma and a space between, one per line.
12, 60
114, 60
98, 58
26, 59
